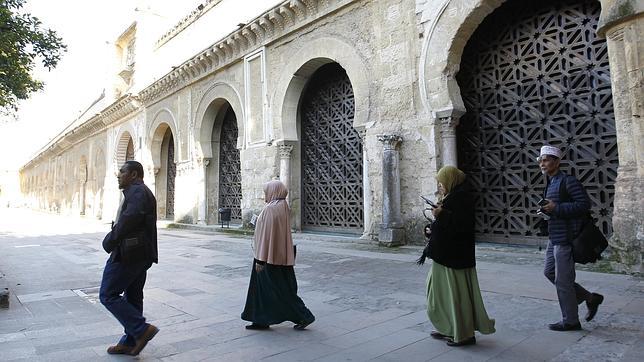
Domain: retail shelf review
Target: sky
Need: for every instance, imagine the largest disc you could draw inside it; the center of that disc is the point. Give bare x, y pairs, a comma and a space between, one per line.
87, 28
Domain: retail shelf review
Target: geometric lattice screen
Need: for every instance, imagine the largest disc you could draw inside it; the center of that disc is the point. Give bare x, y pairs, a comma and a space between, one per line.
332, 191
230, 191
172, 174
534, 72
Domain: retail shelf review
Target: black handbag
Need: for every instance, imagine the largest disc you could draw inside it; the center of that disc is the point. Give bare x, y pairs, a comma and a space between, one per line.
588, 246
133, 249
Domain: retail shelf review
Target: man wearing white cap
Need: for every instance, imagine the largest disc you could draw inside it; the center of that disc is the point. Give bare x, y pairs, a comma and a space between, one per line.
566, 218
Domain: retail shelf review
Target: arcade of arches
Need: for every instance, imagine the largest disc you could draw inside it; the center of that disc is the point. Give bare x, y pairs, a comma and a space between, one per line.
357, 125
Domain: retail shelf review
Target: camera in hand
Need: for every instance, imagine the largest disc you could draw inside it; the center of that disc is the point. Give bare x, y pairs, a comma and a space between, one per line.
543, 202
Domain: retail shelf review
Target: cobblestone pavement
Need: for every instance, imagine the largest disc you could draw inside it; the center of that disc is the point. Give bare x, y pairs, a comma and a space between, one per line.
369, 302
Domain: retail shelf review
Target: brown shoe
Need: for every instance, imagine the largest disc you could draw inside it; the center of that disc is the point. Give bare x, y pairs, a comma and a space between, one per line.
142, 341
119, 349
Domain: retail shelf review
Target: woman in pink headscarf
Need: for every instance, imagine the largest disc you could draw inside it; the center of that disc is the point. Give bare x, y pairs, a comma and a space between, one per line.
272, 292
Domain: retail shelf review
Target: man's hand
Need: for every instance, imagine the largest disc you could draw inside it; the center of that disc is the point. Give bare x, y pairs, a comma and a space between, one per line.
549, 207
436, 211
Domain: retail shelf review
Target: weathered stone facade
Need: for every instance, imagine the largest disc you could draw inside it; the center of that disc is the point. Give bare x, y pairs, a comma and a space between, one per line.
401, 57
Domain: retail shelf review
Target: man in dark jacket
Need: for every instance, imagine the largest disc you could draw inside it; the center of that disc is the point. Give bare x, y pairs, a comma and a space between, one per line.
566, 220
135, 225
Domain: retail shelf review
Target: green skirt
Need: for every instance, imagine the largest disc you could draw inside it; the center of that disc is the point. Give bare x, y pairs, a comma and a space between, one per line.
454, 303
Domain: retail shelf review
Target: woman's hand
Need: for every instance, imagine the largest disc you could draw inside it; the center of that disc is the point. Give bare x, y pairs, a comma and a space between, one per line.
259, 267
437, 210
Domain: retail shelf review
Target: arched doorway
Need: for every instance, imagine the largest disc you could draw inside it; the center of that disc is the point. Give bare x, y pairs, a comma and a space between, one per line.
99, 168
167, 175
124, 149
82, 180
230, 190
331, 161
129, 152
535, 73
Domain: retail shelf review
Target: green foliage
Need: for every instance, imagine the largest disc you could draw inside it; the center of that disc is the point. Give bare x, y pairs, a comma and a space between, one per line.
22, 42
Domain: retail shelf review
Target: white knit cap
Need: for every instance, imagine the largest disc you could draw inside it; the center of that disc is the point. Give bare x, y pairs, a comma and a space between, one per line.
550, 151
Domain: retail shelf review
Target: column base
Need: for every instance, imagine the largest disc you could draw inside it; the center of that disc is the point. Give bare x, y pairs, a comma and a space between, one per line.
390, 236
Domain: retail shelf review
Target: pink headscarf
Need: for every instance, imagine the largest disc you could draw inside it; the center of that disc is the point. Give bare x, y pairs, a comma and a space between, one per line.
273, 241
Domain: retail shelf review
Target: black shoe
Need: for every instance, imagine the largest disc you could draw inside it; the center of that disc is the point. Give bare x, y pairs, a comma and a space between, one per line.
593, 304
465, 342
255, 326
562, 327
438, 335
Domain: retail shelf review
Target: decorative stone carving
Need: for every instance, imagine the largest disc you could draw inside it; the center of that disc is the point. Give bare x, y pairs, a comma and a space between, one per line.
280, 19
285, 151
447, 122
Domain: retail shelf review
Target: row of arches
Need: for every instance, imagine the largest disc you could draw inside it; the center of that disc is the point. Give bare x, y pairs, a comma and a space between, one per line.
527, 75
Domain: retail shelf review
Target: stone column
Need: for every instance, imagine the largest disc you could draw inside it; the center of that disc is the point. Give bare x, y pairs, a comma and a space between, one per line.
447, 121
285, 164
366, 196
391, 232
202, 216
622, 23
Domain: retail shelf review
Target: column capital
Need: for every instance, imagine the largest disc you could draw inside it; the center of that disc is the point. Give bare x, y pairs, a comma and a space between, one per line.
448, 122
391, 141
203, 161
285, 150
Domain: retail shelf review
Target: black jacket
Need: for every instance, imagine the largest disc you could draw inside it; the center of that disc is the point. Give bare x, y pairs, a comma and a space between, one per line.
452, 243
138, 213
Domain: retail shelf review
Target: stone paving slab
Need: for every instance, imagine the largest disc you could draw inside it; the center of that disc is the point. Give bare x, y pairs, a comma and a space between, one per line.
369, 302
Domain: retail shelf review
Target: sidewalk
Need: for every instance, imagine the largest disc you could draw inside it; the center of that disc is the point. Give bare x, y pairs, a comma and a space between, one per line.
369, 302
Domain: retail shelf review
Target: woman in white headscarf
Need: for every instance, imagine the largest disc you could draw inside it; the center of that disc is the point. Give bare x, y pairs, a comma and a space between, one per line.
272, 292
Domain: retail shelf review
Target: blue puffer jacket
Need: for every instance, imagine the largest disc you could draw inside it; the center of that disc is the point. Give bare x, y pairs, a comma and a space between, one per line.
566, 214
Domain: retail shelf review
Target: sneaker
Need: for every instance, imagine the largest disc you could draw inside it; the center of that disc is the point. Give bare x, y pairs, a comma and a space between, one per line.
593, 304
563, 327
142, 341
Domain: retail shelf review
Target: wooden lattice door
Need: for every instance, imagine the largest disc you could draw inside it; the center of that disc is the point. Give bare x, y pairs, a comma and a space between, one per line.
230, 190
172, 173
332, 197
533, 73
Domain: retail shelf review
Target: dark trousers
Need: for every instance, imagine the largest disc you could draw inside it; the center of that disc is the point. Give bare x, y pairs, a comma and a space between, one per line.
560, 270
129, 281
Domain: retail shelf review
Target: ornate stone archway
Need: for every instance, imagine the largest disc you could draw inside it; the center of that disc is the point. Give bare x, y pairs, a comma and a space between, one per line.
216, 102
164, 152
453, 23
286, 117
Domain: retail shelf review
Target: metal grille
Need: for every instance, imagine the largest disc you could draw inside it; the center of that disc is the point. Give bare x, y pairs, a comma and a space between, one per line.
332, 154
230, 192
535, 73
172, 172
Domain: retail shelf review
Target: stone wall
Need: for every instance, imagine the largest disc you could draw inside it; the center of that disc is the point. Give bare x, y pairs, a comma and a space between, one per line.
401, 57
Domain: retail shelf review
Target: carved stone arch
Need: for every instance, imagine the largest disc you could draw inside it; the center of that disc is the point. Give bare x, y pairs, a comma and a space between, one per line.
219, 96
531, 74
442, 50
162, 120
301, 67
125, 135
